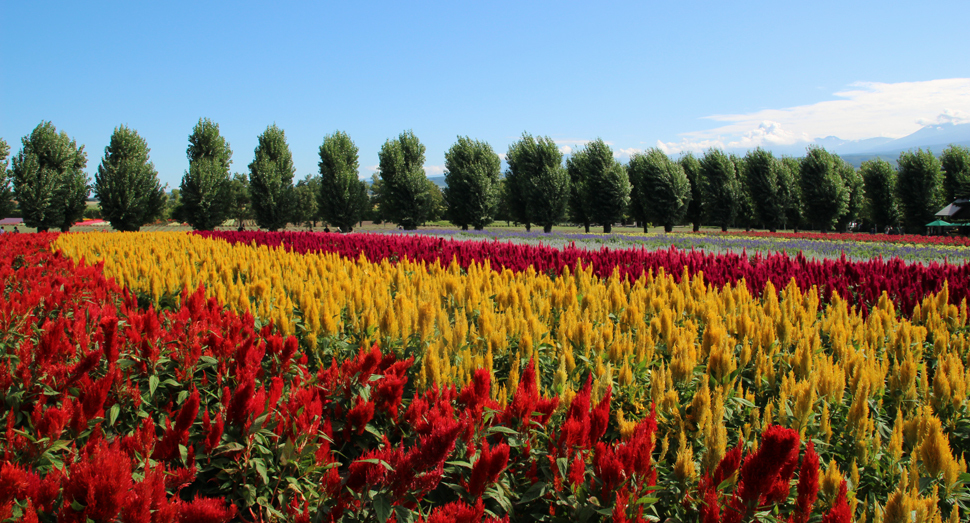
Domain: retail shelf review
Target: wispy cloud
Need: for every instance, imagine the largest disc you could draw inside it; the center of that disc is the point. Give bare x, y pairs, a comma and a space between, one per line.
434, 170
866, 110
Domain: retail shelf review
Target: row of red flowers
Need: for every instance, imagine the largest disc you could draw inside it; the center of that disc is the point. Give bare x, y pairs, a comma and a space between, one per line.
120, 413
914, 239
861, 283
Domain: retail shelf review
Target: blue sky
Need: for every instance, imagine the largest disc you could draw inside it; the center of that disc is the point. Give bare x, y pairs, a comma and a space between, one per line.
681, 75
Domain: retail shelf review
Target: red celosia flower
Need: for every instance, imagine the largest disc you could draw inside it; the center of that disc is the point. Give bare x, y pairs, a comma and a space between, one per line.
729, 465
360, 415
608, 469
619, 508
762, 470
710, 510
807, 485
600, 418
577, 471
839, 513
457, 512
100, 482
205, 510
13, 482
490, 463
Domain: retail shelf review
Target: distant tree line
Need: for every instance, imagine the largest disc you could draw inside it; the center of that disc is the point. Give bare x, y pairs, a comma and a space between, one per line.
539, 187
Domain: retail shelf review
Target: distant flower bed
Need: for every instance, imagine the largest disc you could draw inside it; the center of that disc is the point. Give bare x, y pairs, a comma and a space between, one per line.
859, 282
912, 239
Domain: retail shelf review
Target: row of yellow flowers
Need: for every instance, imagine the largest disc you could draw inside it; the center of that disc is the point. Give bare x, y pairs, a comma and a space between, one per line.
718, 363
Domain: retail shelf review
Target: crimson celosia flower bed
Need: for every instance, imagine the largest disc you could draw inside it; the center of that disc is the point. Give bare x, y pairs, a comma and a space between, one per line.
861, 283
114, 412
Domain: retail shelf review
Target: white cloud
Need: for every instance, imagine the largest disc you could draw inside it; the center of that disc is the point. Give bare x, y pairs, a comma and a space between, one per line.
867, 110
434, 170
626, 153
565, 149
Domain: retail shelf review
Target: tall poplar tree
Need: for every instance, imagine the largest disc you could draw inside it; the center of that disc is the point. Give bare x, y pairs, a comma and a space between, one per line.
49, 182
342, 198
472, 172
606, 191
855, 186
538, 182
205, 188
919, 188
721, 190
695, 175
662, 186
955, 161
127, 183
879, 178
765, 188
6, 192
824, 196
271, 180
405, 196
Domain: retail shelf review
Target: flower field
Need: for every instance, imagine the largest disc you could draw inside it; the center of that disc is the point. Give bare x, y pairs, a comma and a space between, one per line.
322, 377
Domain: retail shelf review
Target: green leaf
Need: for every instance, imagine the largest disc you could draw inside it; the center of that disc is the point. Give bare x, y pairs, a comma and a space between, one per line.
382, 508
503, 430
376, 461
260, 466
113, 413
534, 492
152, 385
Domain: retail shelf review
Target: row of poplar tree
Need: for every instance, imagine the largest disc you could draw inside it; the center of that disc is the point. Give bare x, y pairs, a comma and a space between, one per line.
591, 186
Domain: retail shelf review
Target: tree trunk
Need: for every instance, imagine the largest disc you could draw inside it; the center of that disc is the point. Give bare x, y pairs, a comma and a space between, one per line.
479, 228
646, 227
772, 230
697, 226
586, 224
668, 227
724, 228
528, 227
410, 227
607, 228
464, 227
547, 229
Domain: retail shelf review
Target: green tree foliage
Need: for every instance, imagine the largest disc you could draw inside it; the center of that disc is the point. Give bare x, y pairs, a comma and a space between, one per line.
173, 206
271, 180
746, 216
764, 180
662, 186
240, 206
6, 192
342, 199
857, 194
437, 206
472, 172
955, 161
604, 191
919, 188
49, 183
306, 210
695, 175
374, 192
405, 190
127, 183
721, 190
205, 188
537, 182
579, 208
825, 197
789, 174
879, 179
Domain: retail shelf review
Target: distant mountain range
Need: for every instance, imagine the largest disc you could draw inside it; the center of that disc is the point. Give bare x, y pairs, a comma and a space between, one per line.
933, 137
